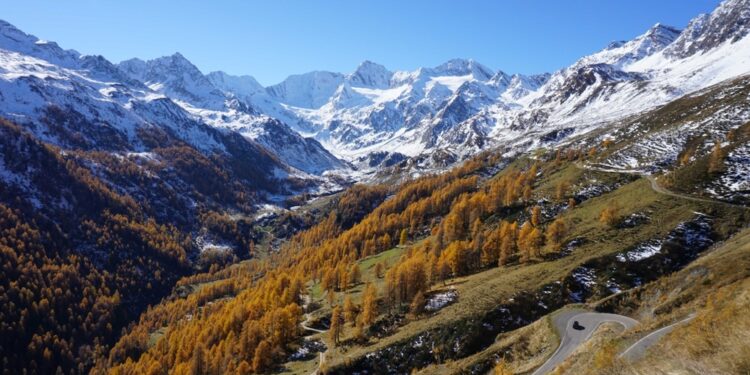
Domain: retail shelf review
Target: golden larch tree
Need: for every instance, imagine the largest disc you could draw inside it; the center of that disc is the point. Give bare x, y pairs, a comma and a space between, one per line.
337, 321
716, 158
355, 274
536, 213
556, 232
416, 307
369, 305
508, 238
404, 237
610, 215
262, 358
350, 310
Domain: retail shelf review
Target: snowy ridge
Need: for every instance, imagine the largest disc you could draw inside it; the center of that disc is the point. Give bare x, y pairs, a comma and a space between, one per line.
461, 106
435, 115
83, 102
222, 101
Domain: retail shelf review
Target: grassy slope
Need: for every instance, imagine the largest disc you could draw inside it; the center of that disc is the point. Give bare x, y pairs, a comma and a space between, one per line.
483, 291
717, 341
655, 305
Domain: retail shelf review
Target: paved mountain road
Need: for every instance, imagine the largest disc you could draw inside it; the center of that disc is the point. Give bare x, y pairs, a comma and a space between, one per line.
639, 348
575, 328
655, 185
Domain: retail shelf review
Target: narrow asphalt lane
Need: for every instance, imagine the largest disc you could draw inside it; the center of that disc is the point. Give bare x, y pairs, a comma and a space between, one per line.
655, 185
575, 328
639, 348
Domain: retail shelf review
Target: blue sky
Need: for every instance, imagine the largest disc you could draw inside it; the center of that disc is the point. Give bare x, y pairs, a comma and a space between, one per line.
273, 39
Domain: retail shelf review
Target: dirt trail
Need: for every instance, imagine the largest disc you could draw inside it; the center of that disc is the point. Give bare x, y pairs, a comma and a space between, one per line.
305, 325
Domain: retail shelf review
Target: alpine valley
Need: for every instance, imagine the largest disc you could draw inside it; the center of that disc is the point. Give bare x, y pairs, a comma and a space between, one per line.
452, 219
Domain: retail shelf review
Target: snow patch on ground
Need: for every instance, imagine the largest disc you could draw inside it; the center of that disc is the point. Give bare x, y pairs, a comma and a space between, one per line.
307, 349
205, 244
644, 250
439, 300
584, 276
735, 182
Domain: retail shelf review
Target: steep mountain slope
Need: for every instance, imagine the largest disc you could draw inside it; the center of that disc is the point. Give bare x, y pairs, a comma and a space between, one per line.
84, 102
103, 185
80, 260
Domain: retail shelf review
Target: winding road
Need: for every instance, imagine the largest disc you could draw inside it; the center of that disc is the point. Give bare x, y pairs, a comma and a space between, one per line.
655, 185
639, 348
575, 328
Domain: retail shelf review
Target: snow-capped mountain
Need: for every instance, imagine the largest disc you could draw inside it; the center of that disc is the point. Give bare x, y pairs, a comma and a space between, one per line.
623, 53
520, 86
310, 90
462, 106
375, 110
41, 83
728, 23
241, 86
623, 79
372, 75
87, 104
177, 78
373, 114
222, 101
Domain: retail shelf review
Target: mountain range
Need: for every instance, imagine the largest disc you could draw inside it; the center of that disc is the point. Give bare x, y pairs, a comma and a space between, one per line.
348, 124
158, 219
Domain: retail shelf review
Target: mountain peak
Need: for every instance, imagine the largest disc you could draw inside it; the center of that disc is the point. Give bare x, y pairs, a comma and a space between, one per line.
309, 90
241, 85
175, 60
660, 30
160, 68
521, 85
10, 33
13, 39
370, 74
623, 53
500, 80
729, 22
367, 64
175, 76
462, 67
